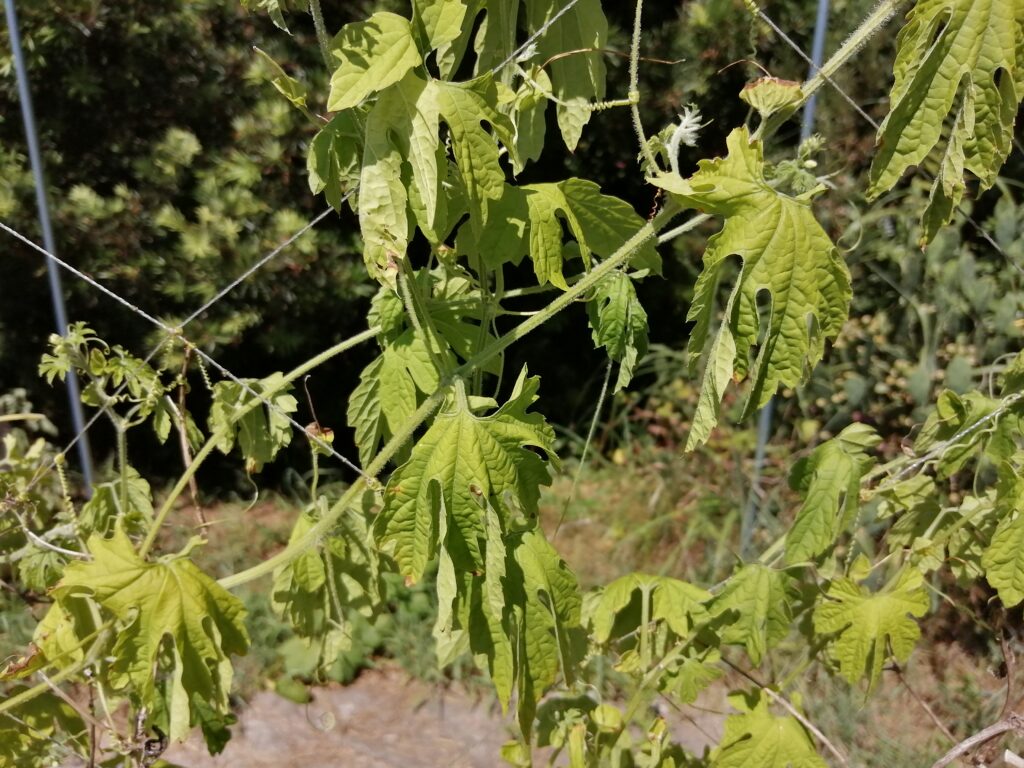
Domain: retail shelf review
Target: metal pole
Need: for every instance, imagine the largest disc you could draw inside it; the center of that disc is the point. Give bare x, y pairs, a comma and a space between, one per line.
764, 418
57, 296
817, 56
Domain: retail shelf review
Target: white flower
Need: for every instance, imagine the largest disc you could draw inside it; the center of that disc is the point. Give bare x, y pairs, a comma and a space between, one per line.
687, 132
527, 53
689, 127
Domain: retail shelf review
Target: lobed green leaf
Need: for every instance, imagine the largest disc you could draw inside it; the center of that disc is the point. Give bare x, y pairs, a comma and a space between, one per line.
961, 58
170, 600
867, 625
785, 255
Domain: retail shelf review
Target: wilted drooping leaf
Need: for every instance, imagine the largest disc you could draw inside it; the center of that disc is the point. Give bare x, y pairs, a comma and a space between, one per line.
386, 395
288, 86
255, 416
961, 58
528, 220
522, 617
274, 8
168, 605
681, 606
402, 128
467, 460
334, 157
785, 255
618, 323
830, 481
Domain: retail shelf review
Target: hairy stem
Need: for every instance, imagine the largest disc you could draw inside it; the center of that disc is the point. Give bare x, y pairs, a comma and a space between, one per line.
211, 443
592, 278
321, 33
875, 20
634, 89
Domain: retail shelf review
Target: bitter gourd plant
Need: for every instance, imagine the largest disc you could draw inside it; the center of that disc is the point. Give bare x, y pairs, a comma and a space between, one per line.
429, 119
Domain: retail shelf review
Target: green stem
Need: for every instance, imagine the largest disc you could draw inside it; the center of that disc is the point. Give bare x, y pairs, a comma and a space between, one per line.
332, 586
102, 635
592, 278
122, 465
875, 20
486, 310
20, 417
646, 594
211, 443
315, 456
423, 326
634, 90
639, 696
321, 33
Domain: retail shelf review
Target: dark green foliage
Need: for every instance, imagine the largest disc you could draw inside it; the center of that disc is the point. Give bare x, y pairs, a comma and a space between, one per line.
173, 165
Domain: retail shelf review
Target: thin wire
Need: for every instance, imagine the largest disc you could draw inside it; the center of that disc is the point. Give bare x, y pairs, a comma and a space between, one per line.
534, 37
245, 275
800, 52
234, 284
172, 332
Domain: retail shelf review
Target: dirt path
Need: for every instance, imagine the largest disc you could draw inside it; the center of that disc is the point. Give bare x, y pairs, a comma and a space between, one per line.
382, 720
385, 720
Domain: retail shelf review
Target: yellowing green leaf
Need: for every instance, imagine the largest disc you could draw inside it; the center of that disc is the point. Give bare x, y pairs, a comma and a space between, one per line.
174, 601
754, 604
374, 54
1003, 560
868, 624
758, 739
528, 220
579, 79
262, 431
438, 22
785, 254
334, 157
960, 58
830, 480
467, 459
386, 395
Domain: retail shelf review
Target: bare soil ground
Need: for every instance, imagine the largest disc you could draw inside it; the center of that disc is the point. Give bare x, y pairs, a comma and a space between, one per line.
381, 720
387, 720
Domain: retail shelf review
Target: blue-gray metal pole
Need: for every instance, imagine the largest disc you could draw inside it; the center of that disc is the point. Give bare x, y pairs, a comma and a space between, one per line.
57, 296
764, 418
817, 56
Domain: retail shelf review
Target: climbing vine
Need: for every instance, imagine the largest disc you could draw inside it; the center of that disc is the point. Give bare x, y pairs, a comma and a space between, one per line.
428, 121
